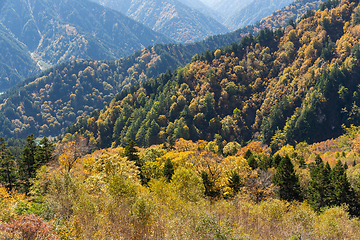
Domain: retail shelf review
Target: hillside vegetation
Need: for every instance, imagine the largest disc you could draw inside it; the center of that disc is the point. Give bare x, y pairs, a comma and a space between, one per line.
183, 190
59, 96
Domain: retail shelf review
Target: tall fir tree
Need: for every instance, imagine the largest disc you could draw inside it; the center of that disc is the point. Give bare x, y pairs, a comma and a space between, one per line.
287, 181
44, 152
342, 190
7, 166
27, 164
247, 154
235, 183
320, 189
168, 170
276, 161
210, 189
131, 152
252, 162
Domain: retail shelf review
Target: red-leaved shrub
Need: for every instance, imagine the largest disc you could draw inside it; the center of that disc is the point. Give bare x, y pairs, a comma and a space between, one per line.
27, 227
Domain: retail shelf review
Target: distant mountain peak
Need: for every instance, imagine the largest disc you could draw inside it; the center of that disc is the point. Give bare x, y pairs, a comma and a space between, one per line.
177, 19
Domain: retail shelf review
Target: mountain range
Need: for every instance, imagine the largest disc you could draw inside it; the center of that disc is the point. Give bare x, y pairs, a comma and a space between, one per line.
171, 17
227, 8
240, 13
51, 32
253, 12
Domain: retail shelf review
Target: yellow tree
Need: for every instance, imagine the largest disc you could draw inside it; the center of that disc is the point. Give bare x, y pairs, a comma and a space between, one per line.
69, 152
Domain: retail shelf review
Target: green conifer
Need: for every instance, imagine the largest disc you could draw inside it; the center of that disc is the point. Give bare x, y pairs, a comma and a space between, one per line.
131, 152
252, 162
7, 166
319, 190
44, 152
288, 181
168, 170
276, 161
27, 165
210, 190
342, 190
172, 143
234, 182
248, 154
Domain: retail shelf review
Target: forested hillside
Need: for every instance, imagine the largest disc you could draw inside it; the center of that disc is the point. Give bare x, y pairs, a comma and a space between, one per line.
280, 87
171, 17
45, 105
93, 83
57, 31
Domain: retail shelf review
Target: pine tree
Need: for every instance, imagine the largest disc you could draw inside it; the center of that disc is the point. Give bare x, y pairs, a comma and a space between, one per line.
168, 170
7, 166
27, 165
210, 190
140, 136
265, 162
276, 161
288, 181
320, 189
235, 183
172, 143
248, 154
342, 190
252, 162
131, 152
44, 152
